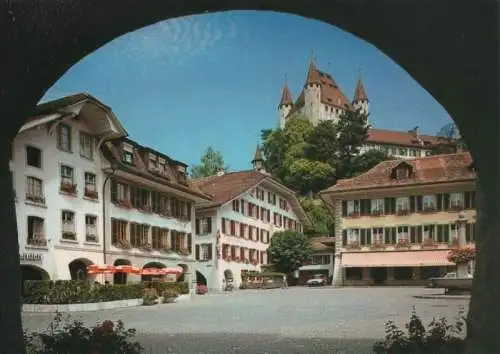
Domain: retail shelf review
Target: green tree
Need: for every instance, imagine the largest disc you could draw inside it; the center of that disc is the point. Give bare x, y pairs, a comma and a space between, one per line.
352, 129
321, 219
449, 140
308, 177
368, 160
289, 250
322, 143
211, 162
274, 150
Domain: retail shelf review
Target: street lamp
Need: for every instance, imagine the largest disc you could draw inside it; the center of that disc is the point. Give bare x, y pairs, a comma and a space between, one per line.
109, 173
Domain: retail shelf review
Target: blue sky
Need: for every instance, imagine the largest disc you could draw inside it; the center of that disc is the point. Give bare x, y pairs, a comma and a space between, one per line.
181, 85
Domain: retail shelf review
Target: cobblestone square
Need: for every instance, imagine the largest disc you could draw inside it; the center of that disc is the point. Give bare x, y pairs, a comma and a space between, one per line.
295, 320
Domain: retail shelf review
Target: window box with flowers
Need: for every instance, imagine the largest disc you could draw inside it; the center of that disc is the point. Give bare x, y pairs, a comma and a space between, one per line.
462, 255
123, 203
68, 188
377, 246
428, 243
237, 259
353, 246
429, 209
402, 212
354, 214
39, 242
35, 199
184, 252
145, 209
165, 213
403, 243
146, 247
123, 244
91, 194
457, 206
227, 258
377, 212
166, 249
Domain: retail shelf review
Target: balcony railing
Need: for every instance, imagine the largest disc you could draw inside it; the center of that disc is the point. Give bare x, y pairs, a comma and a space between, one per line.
35, 198
37, 240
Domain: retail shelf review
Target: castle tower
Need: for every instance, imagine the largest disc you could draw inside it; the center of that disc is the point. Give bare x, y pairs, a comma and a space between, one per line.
258, 161
312, 94
360, 100
285, 106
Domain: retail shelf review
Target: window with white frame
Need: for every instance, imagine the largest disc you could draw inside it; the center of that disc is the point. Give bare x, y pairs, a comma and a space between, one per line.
403, 204
352, 207
377, 206
64, 137
352, 236
429, 202
90, 228
402, 233
67, 175
36, 231
456, 199
90, 184
429, 232
377, 235
86, 145
204, 253
68, 225
34, 188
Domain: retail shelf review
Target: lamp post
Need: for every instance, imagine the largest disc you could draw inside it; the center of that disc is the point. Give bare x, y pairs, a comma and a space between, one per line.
462, 268
110, 172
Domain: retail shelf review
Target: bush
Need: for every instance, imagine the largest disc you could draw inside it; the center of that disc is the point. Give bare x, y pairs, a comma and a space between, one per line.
64, 337
440, 337
149, 296
74, 292
169, 295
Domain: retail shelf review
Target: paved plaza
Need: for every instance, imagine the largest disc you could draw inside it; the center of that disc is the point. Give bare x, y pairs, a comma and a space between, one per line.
295, 320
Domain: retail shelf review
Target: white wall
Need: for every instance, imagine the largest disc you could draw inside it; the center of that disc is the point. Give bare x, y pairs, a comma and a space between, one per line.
56, 263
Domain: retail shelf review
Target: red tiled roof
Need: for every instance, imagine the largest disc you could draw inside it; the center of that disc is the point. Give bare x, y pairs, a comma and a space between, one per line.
321, 243
360, 93
286, 96
425, 170
402, 138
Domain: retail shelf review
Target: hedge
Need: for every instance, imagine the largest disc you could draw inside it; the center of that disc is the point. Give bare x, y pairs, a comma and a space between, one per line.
77, 292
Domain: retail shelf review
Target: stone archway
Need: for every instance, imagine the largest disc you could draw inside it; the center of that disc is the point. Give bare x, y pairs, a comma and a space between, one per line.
441, 55
201, 279
32, 272
120, 278
185, 271
78, 269
152, 265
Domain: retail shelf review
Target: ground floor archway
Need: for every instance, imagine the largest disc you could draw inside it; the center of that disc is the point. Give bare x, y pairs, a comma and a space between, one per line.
185, 270
201, 279
32, 272
157, 265
78, 269
120, 278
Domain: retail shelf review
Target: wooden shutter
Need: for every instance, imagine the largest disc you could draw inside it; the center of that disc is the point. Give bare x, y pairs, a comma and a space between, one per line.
420, 203
242, 253
197, 252
198, 226
261, 257
365, 207
209, 224
419, 234
413, 234
412, 204
362, 237
446, 201
368, 236
344, 208
257, 210
439, 202
189, 211
233, 228
223, 224
209, 251
242, 206
233, 252
114, 191
189, 243
393, 235
344, 237
268, 215
387, 235
446, 233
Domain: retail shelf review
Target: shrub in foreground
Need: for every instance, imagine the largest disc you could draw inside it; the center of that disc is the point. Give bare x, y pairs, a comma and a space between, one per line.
440, 337
149, 296
64, 337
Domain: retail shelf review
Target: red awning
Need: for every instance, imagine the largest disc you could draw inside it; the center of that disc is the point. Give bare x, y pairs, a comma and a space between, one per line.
434, 258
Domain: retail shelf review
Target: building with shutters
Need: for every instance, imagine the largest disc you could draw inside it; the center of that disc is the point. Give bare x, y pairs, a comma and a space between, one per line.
150, 210
321, 98
233, 230
396, 223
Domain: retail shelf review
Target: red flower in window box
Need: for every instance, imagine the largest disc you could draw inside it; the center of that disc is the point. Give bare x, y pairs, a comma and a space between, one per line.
165, 213
123, 203
402, 212
403, 243
462, 255
429, 243
68, 188
89, 193
354, 214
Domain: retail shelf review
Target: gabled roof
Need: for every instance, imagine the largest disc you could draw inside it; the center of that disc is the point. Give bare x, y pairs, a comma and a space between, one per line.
322, 244
225, 187
426, 170
400, 138
113, 152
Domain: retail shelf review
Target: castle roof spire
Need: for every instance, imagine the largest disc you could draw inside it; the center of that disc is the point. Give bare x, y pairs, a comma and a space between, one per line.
312, 73
257, 157
286, 96
360, 93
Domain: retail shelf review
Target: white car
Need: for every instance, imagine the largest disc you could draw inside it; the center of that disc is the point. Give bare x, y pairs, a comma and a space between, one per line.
317, 280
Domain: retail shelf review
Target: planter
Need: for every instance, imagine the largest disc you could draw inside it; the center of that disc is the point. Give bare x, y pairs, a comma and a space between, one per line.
354, 214
402, 212
91, 194
353, 246
68, 188
125, 204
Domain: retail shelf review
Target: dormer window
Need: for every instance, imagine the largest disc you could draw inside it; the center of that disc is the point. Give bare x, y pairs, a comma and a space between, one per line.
402, 171
127, 157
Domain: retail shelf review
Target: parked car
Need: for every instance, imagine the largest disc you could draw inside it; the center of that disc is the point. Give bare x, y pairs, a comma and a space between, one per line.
317, 280
451, 275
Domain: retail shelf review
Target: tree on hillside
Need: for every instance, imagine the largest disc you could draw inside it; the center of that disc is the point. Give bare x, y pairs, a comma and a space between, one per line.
211, 162
308, 177
449, 140
289, 250
321, 219
352, 129
274, 149
368, 160
322, 143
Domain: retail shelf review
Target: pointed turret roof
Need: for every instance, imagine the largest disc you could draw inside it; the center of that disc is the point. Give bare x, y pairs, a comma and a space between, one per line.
360, 93
258, 154
286, 96
312, 74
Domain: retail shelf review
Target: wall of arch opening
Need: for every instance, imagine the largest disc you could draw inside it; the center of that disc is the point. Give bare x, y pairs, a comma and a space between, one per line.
120, 278
32, 272
185, 270
78, 269
158, 265
201, 279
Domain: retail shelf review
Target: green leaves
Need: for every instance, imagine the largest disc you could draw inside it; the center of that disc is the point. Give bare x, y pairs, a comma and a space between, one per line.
289, 250
211, 162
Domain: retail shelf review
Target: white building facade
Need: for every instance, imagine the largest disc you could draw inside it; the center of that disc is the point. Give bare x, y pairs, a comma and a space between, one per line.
57, 177
233, 231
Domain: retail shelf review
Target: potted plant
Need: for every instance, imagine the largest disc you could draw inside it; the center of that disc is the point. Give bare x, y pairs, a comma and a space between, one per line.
90, 193
149, 296
68, 188
462, 255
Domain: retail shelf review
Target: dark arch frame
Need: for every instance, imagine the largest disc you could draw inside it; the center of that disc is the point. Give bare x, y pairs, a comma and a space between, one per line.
78, 268
201, 279
120, 278
152, 264
449, 47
